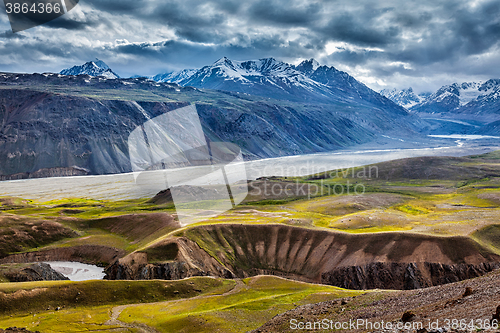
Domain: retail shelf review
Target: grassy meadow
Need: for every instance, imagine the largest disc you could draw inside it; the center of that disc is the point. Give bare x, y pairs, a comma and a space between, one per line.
441, 197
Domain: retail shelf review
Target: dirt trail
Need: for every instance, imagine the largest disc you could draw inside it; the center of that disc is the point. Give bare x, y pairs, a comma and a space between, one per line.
143, 328
115, 312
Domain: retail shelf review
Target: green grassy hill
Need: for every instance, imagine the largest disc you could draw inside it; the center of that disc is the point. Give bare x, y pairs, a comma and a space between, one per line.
439, 210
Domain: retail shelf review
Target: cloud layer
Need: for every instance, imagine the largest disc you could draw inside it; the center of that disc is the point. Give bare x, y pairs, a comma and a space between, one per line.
382, 43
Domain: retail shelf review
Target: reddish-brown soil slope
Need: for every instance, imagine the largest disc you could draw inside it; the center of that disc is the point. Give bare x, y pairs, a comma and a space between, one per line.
358, 261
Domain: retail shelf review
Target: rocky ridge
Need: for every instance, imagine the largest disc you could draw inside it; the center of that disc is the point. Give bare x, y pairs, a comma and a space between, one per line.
89, 254
35, 272
355, 261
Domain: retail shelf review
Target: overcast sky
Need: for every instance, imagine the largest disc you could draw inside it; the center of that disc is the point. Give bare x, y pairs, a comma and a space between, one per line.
400, 43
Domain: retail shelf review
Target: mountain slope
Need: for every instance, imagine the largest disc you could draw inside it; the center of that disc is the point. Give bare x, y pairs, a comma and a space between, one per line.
423, 310
174, 77
487, 105
49, 121
92, 68
490, 129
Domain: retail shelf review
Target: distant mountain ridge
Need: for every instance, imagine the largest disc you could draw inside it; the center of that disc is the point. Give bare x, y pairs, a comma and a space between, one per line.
92, 68
174, 77
308, 82
457, 95
470, 101
405, 97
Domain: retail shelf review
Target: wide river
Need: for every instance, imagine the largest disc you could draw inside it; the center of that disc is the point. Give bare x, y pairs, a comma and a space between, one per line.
128, 186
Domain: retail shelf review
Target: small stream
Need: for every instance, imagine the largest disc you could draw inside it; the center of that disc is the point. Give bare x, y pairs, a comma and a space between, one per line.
77, 271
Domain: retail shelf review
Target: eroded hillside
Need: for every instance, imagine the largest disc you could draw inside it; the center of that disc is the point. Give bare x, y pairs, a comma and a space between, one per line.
55, 125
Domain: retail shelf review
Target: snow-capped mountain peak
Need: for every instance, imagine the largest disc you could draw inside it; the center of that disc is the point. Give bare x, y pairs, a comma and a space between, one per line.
308, 66
273, 67
405, 97
455, 95
467, 91
489, 85
240, 69
92, 68
225, 62
100, 64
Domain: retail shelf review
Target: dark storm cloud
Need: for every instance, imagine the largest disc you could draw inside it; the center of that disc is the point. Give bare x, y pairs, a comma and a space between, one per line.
278, 12
228, 6
411, 19
355, 58
179, 52
192, 22
446, 39
464, 32
176, 14
478, 30
118, 6
69, 24
34, 50
351, 29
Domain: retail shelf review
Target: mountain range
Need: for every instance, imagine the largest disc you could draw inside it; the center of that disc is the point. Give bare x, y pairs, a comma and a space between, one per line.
308, 82
79, 120
53, 124
476, 101
92, 68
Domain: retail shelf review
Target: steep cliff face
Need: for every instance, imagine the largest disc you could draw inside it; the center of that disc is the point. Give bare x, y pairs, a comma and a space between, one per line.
170, 260
45, 131
380, 275
48, 172
356, 261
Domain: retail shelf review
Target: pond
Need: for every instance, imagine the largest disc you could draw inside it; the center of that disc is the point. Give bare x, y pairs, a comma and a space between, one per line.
77, 271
